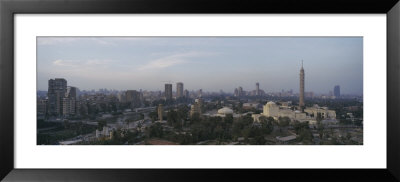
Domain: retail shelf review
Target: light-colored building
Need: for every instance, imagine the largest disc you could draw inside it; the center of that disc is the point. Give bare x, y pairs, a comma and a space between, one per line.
196, 107
225, 110
310, 114
324, 112
68, 108
106, 133
271, 109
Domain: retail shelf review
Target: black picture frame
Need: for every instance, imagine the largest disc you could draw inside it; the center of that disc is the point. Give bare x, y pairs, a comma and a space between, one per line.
8, 8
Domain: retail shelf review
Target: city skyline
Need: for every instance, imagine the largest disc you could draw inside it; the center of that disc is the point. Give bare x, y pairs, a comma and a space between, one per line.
208, 63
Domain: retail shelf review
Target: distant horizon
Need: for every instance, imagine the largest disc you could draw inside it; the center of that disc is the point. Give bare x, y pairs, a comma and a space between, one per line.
195, 90
208, 63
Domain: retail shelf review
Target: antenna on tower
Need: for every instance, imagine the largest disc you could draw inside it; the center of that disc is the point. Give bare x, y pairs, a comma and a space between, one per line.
301, 63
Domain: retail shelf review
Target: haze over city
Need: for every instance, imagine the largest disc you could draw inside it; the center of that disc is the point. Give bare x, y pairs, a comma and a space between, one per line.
208, 63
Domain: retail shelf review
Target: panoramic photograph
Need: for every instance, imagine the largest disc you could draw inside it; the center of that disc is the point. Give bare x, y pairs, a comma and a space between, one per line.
199, 90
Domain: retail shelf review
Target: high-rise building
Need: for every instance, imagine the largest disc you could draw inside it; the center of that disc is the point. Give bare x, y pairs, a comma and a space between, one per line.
186, 93
72, 92
196, 107
68, 106
240, 92
179, 89
56, 92
160, 112
168, 91
236, 92
69, 101
257, 89
336, 91
133, 97
301, 100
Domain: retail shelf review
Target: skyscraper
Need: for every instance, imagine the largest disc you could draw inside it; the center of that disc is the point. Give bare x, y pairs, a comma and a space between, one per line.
257, 89
56, 92
336, 91
168, 91
301, 100
179, 89
72, 92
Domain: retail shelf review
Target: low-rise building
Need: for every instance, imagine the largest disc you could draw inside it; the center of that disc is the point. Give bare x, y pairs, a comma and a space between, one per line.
310, 113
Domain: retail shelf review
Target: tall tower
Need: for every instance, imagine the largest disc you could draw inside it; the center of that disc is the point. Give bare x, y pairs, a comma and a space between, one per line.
257, 89
301, 101
336, 91
179, 89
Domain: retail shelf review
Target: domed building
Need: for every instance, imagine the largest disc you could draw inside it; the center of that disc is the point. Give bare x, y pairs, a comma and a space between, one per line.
271, 109
225, 111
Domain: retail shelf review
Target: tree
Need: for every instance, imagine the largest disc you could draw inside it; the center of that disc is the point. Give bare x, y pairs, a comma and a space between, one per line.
173, 120
155, 130
266, 124
228, 119
258, 140
153, 115
284, 121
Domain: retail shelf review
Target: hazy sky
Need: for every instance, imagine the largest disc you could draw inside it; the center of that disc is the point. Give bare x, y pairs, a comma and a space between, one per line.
210, 63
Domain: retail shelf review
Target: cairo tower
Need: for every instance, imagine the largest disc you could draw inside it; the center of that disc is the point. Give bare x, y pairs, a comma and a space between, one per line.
301, 101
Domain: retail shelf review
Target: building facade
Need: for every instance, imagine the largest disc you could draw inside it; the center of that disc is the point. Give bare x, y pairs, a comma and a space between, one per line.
133, 97
336, 91
168, 91
56, 92
186, 93
179, 89
70, 101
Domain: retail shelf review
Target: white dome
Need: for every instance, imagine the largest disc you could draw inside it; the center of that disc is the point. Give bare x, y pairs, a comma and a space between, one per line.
270, 103
225, 110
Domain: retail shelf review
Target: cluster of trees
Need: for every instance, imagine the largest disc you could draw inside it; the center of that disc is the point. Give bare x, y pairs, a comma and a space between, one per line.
222, 129
303, 132
61, 131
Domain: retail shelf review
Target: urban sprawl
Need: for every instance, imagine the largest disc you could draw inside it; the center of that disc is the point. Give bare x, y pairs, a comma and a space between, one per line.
67, 116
